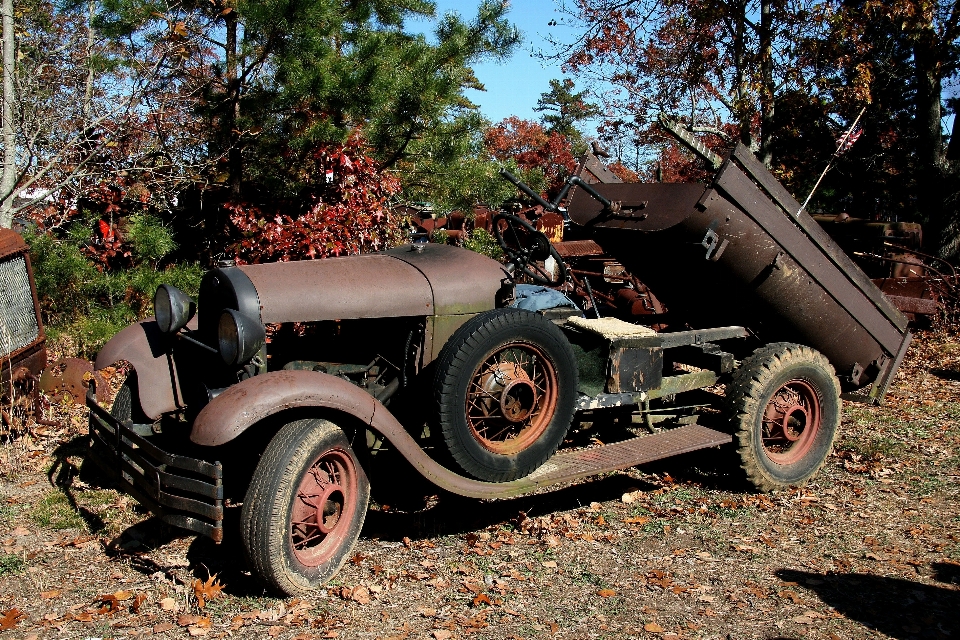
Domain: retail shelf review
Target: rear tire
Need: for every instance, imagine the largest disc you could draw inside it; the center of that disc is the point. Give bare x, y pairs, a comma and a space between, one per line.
305, 507
506, 386
784, 402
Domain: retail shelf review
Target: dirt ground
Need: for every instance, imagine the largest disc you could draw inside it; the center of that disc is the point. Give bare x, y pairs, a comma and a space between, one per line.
869, 549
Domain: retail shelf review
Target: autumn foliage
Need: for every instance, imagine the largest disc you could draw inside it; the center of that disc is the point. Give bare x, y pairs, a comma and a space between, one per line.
345, 210
530, 145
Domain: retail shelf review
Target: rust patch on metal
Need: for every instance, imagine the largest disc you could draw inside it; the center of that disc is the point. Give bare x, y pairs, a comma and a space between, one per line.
578, 248
71, 377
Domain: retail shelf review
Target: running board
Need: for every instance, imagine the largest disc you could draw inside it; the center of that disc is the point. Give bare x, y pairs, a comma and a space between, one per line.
574, 465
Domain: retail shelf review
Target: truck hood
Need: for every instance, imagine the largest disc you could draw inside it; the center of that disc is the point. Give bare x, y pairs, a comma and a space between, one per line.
419, 280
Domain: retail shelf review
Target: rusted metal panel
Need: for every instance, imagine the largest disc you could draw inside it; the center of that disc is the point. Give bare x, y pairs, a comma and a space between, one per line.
11, 243
642, 207
366, 286
630, 369
146, 348
820, 237
462, 281
441, 329
578, 248
843, 283
409, 281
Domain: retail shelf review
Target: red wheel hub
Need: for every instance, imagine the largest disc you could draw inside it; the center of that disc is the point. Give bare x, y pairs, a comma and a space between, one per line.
791, 421
323, 507
511, 398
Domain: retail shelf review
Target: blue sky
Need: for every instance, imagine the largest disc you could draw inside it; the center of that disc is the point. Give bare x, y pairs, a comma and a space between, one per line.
513, 87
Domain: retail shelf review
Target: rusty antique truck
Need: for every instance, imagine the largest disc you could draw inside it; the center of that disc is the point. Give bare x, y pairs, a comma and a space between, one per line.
278, 390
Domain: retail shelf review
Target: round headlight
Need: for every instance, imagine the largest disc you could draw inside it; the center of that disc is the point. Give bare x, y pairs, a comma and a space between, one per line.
161, 309
240, 337
172, 308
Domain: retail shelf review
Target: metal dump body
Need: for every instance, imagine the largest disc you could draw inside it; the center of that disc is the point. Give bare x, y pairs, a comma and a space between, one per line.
736, 252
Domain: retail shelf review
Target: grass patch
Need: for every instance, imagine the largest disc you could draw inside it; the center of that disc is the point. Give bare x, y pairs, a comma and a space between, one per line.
7, 512
54, 511
11, 564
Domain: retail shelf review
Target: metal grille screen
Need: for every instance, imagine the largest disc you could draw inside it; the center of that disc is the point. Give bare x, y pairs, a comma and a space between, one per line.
18, 323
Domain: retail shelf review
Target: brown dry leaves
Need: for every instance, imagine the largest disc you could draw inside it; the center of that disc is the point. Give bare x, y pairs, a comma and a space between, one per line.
204, 591
11, 618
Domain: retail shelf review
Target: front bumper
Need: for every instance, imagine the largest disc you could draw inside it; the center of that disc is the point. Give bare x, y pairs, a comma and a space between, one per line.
182, 491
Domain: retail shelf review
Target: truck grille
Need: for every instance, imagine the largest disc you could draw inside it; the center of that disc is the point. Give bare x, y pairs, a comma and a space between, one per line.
18, 320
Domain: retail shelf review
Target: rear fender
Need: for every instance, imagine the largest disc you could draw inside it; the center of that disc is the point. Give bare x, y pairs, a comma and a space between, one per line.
148, 350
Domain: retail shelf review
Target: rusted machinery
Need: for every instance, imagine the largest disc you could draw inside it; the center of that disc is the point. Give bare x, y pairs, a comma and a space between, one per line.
24, 370
735, 253
287, 387
23, 353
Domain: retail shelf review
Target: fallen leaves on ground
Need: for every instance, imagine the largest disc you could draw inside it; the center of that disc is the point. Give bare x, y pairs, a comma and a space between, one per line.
204, 591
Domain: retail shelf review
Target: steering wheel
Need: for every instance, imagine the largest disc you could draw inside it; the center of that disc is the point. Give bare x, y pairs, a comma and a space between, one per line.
524, 245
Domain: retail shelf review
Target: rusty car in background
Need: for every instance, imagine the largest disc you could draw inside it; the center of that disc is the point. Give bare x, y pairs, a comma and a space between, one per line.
24, 368
23, 353
279, 389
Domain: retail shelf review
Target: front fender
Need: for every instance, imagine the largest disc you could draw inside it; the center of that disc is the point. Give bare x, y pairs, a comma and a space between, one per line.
246, 403
250, 401
147, 349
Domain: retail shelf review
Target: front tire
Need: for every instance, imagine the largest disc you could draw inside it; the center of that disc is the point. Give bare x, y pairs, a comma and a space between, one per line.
506, 385
305, 507
784, 402
126, 407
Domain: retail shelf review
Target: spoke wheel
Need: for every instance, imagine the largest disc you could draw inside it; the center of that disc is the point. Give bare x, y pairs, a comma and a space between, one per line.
304, 508
505, 385
784, 402
512, 397
791, 421
321, 510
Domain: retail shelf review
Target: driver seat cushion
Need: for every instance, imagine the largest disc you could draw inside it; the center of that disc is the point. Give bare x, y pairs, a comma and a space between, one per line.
611, 328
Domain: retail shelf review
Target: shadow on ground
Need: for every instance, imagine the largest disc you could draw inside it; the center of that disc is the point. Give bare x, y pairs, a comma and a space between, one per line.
895, 607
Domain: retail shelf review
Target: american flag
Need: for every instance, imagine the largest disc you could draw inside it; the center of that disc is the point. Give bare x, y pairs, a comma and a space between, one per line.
844, 143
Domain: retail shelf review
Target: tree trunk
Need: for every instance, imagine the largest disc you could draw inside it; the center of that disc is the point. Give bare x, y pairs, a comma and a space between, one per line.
767, 88
91, 38
232, 137
9, 181
927, 76
742, 102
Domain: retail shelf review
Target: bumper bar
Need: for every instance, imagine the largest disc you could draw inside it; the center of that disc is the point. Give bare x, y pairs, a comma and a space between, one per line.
182, 491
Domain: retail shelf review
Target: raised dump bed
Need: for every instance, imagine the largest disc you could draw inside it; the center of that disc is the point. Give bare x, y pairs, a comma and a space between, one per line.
740, 252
